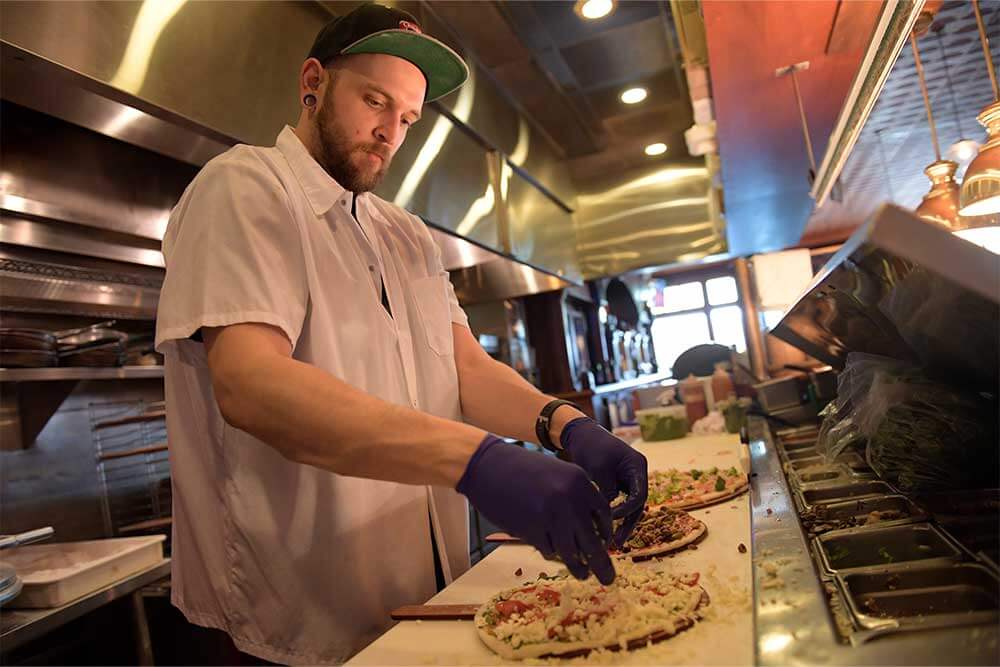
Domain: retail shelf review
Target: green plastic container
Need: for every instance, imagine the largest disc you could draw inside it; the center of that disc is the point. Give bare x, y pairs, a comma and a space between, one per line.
669, 423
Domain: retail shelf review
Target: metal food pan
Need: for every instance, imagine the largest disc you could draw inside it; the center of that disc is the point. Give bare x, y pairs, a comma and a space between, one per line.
804, 462
871, 548
797, 432
854, 461
790, 447
838, 492
781, 393
892, 511
804, 453
821, 474
922, 597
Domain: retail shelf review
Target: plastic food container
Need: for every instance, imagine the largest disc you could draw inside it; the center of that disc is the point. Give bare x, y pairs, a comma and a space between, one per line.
666, 423
55, 574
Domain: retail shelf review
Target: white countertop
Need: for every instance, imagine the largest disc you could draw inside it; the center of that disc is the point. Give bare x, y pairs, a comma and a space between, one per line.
723, 637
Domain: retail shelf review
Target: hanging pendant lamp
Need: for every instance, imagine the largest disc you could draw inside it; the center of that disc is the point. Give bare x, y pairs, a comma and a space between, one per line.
940, 204
981, 185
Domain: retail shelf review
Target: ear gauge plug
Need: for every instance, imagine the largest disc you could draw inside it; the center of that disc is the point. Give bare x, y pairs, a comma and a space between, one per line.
309, 100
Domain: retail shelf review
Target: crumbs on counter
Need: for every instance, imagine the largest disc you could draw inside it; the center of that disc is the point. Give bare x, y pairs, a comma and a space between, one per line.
518, 572
742, 548
770, 511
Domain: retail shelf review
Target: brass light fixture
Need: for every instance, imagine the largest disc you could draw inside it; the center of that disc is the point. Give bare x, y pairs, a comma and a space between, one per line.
981, 186
940, 204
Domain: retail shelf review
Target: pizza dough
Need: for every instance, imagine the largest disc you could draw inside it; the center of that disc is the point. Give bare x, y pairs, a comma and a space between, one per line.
562, 616
689, 489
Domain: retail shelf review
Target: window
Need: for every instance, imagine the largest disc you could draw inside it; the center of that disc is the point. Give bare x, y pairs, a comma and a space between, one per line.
695, 312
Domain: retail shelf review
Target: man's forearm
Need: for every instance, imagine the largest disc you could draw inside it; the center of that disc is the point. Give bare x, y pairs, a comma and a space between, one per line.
314, 418
496, 398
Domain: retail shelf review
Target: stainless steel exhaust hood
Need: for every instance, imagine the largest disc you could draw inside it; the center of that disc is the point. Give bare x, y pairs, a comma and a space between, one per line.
480, 274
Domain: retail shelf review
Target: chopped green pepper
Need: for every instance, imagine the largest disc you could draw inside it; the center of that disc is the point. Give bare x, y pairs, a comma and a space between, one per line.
839, 553
720, 484
695, 473
732, 472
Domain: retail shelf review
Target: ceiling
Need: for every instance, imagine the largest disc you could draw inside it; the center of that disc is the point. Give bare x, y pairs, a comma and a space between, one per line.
567, 73
765, 170
887, 162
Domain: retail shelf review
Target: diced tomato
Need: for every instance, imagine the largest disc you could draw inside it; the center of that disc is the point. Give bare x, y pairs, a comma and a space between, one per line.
507, 608
691, 579
549, 595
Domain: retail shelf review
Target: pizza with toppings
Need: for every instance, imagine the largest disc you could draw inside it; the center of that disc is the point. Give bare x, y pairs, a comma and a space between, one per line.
697, 487
659, 531
563, 616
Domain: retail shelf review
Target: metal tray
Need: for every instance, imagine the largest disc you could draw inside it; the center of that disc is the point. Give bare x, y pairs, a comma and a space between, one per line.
855, 514
922, 597
785, 392
804, 462
797, 432
854, 461
875, 549
804, 453
823, 474
838, 492
796, 445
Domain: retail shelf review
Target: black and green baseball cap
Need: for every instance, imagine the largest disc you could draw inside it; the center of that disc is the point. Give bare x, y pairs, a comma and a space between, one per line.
373, 28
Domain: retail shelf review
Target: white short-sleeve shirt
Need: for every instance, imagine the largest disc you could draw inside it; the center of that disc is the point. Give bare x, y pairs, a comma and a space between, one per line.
297, 564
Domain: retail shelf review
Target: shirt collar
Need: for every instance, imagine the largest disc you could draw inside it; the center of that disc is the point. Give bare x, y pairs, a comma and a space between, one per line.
321, 189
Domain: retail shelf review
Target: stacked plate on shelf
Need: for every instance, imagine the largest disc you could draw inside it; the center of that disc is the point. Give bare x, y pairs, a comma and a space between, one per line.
95, 345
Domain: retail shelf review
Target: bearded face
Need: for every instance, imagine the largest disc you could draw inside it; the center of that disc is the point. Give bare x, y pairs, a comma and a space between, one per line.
358, 166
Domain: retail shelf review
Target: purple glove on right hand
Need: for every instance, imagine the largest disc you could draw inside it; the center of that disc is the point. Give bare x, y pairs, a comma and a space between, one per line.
548, 503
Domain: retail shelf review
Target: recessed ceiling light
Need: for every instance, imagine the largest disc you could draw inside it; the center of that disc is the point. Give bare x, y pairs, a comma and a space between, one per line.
634, 95
594, 9
656, 149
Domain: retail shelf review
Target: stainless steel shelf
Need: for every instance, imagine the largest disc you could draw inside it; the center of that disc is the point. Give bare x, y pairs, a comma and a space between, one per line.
48, 374
23, 625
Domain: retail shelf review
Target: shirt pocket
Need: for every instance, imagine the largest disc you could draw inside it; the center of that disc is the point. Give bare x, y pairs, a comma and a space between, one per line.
431, 300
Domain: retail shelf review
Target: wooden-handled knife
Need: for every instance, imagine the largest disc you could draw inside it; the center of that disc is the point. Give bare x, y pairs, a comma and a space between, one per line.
435, 612
502, 538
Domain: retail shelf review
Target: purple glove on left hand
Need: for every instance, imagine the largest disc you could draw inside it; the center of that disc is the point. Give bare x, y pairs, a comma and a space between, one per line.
613, 465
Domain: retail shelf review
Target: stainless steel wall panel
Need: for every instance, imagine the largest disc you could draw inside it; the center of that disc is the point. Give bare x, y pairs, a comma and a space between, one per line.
541, 231
60, 171
212, 62
646, 218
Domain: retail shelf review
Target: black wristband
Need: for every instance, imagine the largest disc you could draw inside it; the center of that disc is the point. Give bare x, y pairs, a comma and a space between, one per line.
543, 423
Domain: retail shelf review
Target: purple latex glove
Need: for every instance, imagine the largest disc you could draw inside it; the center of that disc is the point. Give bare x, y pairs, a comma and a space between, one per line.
613, 465
548, 503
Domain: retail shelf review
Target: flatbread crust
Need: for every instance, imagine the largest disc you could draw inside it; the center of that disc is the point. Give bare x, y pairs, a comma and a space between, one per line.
637, 632
698, 530
735, 485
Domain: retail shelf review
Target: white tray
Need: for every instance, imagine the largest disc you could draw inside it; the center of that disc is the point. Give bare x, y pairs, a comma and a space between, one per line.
55, 574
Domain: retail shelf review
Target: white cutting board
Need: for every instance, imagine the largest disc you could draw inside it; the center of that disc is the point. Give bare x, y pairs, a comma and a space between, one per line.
55, 574
724, 637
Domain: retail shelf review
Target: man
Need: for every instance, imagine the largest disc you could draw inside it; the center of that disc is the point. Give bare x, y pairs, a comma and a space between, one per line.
319, 369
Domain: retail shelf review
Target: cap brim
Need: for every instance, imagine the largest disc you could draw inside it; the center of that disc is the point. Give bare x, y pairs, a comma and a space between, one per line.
444, 69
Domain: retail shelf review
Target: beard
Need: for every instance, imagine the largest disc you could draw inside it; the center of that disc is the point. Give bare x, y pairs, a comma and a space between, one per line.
348, 163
